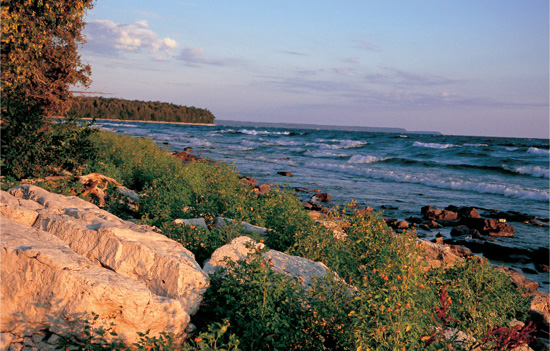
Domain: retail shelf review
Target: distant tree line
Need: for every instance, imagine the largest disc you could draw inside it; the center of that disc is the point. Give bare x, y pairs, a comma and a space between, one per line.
135, 110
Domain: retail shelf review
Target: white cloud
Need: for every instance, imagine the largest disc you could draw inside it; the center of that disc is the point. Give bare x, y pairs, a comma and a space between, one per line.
111, 38
196, 56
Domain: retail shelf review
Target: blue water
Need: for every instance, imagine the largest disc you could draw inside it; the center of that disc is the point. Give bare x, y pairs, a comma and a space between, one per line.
396, 173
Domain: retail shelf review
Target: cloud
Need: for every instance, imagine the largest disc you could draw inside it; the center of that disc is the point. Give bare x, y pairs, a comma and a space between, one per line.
195, 57
295, 53
395, 77
363, 44
110, 38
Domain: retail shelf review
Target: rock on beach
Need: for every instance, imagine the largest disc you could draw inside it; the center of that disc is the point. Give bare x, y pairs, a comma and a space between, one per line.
65, 258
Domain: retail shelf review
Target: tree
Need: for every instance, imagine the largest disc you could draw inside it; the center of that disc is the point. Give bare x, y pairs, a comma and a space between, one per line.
40, 60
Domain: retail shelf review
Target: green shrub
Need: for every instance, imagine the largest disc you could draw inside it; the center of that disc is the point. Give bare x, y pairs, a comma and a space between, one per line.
482, 295
134, 162
267, 310
35, 147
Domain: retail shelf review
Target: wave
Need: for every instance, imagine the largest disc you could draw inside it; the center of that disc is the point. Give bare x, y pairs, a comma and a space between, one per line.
317, 154
535, 150
534, 171
366, 159
511, 148
477, 145
345, 144
450, 184
433, 145
261, 132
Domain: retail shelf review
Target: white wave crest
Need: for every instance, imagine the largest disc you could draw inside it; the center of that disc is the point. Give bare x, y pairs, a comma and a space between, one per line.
261, 132
345, 144
535, 171
433, 145
317, 154
536, 150
477, 145
511, 148
366, 159
451, 184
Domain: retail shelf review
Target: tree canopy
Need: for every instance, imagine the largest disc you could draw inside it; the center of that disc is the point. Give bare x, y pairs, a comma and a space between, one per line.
112, 108
40, 60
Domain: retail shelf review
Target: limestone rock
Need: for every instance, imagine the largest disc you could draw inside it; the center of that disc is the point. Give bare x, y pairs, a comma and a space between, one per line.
165, 268
292, 266
46, 285
221, 224
195, 222
441, 255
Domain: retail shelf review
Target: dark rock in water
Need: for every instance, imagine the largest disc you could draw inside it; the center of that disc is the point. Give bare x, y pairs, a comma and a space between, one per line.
475, 245
541, 267
429, 212
395, 224
321, 197
388, 207
489, 226
513, 216
529, 270
285, 174
461, 230
468, 212
447, 222
505, 252
541, 255
414, 220
307, 205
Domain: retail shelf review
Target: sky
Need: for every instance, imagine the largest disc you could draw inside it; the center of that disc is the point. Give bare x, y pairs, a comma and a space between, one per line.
470, 67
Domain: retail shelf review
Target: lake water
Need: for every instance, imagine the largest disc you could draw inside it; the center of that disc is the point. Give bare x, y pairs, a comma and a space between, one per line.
396, 173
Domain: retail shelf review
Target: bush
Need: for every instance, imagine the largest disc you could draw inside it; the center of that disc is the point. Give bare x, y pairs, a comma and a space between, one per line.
134, 162
267, 310
35, 147
482, 296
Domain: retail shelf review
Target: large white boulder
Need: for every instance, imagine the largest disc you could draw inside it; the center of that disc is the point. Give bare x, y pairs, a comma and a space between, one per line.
48, 288
293, 266
163, 267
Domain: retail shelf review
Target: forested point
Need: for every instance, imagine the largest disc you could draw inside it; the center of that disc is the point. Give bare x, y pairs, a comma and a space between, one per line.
135, 110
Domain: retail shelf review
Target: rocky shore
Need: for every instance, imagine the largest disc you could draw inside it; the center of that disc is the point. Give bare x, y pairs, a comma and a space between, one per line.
64, 258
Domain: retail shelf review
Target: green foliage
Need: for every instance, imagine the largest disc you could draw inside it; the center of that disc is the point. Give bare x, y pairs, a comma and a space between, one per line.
135, 110
482, 295
34, 147
40, 60
282, 211
134, 162
215, 337
199, 241
270, 311
382, 298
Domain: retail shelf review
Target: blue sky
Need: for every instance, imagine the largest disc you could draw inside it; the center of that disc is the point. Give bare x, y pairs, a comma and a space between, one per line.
459, 67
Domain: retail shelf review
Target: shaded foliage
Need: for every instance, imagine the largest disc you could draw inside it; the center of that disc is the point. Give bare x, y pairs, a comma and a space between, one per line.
135, 110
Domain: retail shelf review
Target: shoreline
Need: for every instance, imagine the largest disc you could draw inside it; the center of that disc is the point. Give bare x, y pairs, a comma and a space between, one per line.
135, 120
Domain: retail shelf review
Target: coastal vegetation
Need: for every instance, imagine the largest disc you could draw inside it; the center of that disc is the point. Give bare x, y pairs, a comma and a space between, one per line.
381, 294
135, 110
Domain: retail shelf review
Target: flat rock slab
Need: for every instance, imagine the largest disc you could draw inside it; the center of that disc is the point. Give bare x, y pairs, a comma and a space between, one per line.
162, 266
46, 285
